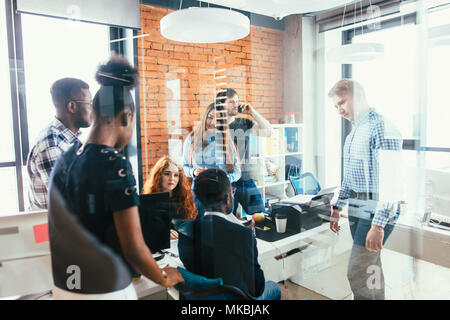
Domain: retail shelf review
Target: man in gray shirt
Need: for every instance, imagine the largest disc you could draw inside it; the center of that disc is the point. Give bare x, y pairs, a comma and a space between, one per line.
243, 120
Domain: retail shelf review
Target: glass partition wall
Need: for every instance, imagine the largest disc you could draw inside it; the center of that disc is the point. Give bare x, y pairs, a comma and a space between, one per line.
404, 85
179, 81
282, 70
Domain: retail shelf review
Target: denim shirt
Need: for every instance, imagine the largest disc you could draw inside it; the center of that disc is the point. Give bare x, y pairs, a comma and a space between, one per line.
208, 158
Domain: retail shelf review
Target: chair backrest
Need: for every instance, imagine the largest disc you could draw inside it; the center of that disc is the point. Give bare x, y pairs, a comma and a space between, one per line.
198, 287
305, 184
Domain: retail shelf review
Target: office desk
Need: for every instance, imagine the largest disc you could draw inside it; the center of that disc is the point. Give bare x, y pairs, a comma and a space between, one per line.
25, 276
33, 275
320, 264
275, 258
304, 252
145, 287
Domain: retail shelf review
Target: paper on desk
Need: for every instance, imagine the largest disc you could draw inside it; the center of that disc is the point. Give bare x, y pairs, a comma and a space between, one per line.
306, 199
326, 191
299, 199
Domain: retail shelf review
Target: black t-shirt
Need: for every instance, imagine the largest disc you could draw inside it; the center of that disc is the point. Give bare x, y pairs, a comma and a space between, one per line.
240, 130
95, 183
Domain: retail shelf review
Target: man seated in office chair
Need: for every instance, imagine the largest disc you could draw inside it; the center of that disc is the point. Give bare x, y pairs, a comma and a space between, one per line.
218, 245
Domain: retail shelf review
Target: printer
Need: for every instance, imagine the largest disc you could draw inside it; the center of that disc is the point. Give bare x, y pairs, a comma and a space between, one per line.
301, 216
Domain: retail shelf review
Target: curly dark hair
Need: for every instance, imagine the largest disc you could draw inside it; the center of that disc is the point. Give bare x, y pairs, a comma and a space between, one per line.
117, 78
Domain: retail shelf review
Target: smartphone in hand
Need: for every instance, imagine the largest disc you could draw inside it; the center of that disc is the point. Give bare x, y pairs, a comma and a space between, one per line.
243, 108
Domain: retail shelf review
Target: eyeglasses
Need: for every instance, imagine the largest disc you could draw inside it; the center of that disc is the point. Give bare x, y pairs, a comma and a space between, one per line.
82, 101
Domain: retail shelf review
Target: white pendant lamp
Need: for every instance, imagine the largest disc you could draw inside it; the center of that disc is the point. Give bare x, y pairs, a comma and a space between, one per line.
355, 52
439, 35
279, 9
204, 25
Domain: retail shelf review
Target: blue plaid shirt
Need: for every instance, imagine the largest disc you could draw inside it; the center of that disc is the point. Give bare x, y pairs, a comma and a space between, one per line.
361, 151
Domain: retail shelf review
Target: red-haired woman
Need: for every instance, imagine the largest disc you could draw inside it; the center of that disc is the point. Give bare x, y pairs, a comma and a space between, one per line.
167, 176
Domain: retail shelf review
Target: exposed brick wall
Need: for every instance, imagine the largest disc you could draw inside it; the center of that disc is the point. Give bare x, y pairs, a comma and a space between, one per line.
254, 68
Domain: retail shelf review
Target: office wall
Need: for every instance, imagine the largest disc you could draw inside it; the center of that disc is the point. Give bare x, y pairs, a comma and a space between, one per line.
177, 80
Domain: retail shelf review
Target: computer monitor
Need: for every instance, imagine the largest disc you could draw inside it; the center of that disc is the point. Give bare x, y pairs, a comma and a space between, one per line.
155, 215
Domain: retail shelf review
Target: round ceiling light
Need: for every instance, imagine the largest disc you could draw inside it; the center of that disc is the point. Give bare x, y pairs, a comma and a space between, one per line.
204, 25
439, 35
356, 52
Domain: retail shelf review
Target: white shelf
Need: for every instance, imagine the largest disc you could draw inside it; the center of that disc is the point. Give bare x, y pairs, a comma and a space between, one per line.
278, 157
287, 125
271, 184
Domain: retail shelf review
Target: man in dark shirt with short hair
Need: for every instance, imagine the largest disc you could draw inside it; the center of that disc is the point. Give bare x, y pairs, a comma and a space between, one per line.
245, 120
219, 245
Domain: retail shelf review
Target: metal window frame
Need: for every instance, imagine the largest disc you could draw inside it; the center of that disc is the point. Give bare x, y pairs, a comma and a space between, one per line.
18, 98
346, 72
18, 94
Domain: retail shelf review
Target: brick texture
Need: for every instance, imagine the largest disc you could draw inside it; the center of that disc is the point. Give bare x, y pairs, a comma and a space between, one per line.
177, 80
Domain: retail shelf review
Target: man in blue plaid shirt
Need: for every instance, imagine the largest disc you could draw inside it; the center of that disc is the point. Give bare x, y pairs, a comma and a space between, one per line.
73, 103
371, 220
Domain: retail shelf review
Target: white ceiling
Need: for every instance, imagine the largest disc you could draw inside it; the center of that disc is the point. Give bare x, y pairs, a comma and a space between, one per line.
278, 9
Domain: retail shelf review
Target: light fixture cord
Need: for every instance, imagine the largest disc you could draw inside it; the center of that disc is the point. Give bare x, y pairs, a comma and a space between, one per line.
343, 16
362, 26
371, 9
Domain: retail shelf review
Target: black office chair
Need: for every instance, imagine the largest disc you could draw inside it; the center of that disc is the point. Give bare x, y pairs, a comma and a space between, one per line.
196, 287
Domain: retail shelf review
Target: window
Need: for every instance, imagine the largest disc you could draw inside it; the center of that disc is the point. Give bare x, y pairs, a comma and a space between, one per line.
52, 49
438, 110
391, 81
8, 189
408, 86
72, 49
395, 85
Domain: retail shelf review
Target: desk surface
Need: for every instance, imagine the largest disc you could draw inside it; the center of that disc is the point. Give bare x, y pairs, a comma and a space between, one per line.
144, 286
41, 278
35, 275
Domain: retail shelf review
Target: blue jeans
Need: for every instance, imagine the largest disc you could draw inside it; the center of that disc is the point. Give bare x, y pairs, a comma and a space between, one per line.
271, 291
247, 194
365, 272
